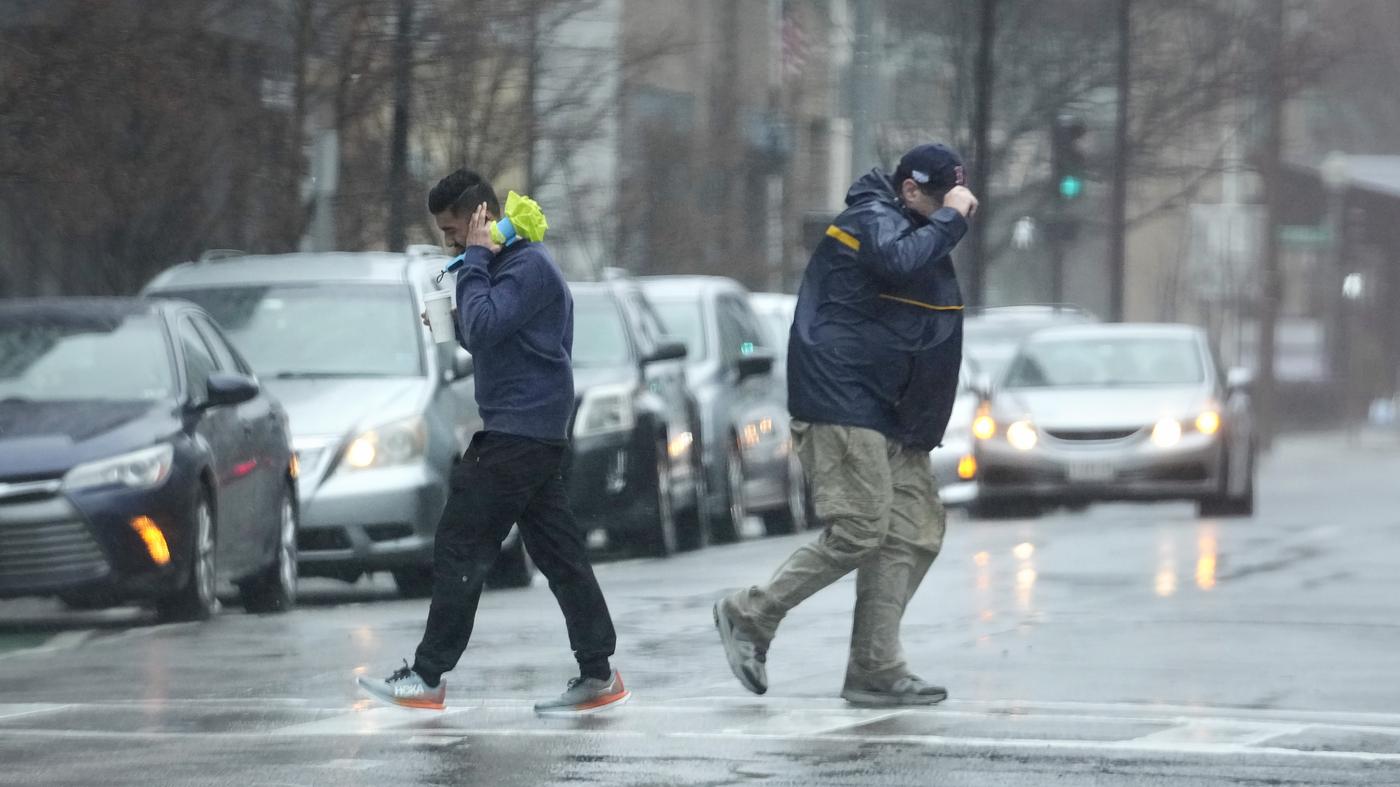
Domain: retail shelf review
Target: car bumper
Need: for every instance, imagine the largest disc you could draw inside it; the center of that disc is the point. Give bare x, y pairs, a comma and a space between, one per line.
370, 520
1136, 470
611, 480
953, 489
52, 542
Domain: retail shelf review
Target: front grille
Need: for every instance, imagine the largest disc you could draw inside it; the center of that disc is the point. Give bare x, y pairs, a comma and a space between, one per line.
1091, 434
43, 540
996, 476
391, 532
1188, 471
322, 539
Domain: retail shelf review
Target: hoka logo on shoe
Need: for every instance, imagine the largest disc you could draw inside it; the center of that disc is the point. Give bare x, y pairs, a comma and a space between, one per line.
407, 691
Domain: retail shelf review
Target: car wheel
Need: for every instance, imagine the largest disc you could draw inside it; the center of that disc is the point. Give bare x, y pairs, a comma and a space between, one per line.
794, 517
728, 522
693, 528
1224, 505
659, 539
414, 581
1005, 508
512, 569
196, 600
275, 587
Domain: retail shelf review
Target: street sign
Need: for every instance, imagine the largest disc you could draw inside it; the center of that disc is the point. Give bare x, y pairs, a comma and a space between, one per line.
1306, 235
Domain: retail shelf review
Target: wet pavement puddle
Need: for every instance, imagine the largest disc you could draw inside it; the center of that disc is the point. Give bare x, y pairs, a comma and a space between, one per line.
1103, 728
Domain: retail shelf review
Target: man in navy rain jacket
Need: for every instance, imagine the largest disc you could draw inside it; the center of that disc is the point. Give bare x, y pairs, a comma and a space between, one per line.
873, 362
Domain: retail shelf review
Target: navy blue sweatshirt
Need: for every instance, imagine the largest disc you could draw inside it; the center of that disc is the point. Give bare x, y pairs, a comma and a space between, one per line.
516, 317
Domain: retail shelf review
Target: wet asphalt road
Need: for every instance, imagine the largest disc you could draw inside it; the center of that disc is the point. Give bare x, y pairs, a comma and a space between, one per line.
1120, 645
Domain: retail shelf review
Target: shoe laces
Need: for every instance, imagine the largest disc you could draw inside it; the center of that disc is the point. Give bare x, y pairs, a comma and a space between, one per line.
575, 681
402, 673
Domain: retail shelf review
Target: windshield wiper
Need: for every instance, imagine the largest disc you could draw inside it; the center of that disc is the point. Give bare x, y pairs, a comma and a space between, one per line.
315, 375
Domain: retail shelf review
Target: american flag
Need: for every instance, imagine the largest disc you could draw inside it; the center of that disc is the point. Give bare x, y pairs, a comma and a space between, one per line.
795, 43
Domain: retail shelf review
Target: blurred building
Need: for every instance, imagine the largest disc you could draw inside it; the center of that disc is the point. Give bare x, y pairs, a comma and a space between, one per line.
720, 140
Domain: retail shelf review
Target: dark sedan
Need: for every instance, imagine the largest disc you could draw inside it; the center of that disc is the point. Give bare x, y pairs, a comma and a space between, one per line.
633, 470
745, 444
139, 461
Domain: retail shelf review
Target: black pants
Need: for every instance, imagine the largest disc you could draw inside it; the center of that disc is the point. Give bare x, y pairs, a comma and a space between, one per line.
502, 480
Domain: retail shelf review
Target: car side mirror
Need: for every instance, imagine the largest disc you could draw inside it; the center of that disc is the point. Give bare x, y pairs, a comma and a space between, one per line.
463, 365
667, 349
755, 363
981, 384
228, 389
1238, 378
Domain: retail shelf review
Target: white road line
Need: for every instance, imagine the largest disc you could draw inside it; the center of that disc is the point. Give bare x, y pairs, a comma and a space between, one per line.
1115, 749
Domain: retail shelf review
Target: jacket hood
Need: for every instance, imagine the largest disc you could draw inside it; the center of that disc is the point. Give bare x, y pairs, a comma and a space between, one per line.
874, 186
46, 439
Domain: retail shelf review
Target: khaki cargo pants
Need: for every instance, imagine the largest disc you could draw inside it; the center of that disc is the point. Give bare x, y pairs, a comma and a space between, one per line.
878, 502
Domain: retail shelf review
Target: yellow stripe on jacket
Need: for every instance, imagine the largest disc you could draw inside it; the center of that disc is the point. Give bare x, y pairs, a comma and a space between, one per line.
920, 303
843, 236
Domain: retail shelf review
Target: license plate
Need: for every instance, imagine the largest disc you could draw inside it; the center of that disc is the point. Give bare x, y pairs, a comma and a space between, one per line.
1091, 471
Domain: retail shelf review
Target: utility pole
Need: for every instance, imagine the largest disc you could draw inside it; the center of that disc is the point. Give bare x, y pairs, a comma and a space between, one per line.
864, 107
532, 76
984, 79
397, 186
1118, 230
1271, 170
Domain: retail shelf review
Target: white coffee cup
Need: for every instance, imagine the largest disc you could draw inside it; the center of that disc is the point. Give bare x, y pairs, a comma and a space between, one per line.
438, 306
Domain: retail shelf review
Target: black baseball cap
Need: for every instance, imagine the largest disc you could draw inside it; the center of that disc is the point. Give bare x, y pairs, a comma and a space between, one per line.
933, 166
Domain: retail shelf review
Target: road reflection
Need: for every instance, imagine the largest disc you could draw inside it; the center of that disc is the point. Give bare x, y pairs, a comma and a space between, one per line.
1205, 563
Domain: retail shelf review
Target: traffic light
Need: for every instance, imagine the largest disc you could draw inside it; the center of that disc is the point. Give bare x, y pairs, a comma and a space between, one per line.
1067, 160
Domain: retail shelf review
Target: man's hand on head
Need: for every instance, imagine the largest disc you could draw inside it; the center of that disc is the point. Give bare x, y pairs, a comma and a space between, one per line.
479, 230
959, 198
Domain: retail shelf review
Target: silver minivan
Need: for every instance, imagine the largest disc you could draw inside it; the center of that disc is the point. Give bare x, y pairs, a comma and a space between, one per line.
379, 412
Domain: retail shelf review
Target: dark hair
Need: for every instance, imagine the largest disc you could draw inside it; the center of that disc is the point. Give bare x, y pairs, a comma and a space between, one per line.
463, 191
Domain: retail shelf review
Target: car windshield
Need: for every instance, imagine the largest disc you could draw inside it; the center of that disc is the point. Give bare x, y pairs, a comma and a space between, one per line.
322, 330
1106, 362
683, 320
991, 344
56, 359
600, 339
779, 324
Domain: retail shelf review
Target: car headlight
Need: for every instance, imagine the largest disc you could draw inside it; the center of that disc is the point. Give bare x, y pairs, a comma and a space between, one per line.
605, 409
1022, 435
397, 443
1208, 422
137, 470
984, 427
1166, 433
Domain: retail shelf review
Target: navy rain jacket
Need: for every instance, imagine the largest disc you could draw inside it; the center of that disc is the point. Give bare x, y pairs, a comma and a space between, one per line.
516, 316
877, 338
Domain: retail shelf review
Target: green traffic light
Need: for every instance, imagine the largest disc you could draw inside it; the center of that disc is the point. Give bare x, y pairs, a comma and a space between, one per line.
1071, 186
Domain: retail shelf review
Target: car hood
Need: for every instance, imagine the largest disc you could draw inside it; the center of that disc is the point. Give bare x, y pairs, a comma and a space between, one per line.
46, 439
1099, 408
592, 376
334, 406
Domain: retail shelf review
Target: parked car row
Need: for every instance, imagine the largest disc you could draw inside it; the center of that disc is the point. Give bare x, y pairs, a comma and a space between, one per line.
253, 419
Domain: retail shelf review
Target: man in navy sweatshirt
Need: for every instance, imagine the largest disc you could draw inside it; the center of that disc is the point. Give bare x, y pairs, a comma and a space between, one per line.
515, 315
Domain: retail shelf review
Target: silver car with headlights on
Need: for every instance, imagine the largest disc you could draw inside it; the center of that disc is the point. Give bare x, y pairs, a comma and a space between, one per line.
379, 412
1115, 412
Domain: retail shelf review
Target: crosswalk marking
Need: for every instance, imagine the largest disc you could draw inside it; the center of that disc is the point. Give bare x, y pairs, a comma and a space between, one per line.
1104, 729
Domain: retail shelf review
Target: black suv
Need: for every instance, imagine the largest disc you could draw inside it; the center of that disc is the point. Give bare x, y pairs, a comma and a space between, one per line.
634, 468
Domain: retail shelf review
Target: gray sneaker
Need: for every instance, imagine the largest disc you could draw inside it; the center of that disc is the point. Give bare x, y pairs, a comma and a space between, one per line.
746, 658
407, 689
586, 695
907, 690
